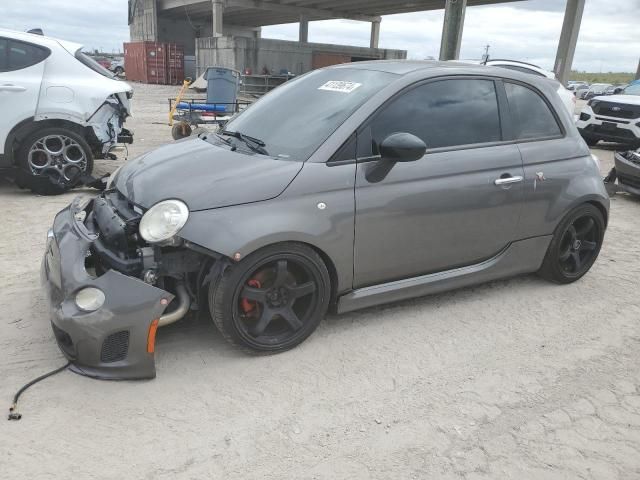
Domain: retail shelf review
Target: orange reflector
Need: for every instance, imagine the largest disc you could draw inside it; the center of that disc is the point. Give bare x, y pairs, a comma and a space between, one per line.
151, 339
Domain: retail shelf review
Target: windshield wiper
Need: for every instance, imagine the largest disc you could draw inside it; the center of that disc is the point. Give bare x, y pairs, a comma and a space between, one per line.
254, 144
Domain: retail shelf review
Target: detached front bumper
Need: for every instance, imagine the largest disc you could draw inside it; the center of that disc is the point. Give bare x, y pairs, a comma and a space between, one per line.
116, 341
628, 171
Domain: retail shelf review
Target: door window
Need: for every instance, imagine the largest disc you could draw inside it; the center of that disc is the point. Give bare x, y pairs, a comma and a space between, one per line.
4, 57
444, 113
531, 114
15, 55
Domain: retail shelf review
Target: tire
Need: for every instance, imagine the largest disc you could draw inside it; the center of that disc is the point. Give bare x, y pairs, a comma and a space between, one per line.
180, 130
118, 71
253, 301
51, 160
575, 245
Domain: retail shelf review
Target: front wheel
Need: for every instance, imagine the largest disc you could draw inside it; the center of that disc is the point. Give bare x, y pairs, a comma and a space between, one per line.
575, 245
180, 130
272, 300
52, 160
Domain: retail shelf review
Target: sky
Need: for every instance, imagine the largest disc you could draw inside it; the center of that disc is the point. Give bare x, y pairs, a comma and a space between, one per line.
609, 37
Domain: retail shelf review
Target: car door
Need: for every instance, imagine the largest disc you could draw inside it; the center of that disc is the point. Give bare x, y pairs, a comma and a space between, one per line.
21, 71
458, 205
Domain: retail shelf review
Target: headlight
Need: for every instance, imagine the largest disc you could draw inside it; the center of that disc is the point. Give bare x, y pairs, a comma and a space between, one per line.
163, 220
90, 299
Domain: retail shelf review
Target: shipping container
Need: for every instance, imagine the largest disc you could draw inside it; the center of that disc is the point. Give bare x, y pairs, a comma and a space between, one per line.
154, 62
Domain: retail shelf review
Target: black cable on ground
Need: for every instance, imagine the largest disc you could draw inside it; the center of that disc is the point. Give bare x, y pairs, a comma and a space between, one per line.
13, 410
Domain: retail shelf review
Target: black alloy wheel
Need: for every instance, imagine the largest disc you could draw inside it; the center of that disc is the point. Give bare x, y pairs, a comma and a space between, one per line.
575, 245
272, 300
578, 245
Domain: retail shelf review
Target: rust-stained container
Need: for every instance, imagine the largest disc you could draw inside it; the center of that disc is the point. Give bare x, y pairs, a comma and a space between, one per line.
154, 62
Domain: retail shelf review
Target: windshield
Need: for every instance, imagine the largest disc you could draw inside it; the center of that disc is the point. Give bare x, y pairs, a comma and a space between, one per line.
93, 65
296, 118
633, 89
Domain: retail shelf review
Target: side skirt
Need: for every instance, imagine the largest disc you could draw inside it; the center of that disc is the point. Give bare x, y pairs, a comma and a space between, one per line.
523, 256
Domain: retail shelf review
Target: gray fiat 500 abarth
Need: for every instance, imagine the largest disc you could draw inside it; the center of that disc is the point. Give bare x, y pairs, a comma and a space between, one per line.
348, 187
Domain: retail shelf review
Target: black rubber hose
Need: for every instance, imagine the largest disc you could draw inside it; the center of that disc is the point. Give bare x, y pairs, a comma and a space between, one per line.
13, 410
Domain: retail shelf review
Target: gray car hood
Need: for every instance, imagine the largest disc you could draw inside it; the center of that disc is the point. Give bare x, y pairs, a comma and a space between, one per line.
203, 175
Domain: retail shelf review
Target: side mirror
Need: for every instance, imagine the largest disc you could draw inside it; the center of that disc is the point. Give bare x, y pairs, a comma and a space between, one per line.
402, 147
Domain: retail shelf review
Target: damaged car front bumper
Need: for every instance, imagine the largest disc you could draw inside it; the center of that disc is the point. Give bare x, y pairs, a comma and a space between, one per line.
116, 340
628, 170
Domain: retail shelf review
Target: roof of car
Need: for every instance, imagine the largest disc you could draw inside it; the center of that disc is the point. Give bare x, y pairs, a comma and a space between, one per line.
403, 67
39, 39
434, 68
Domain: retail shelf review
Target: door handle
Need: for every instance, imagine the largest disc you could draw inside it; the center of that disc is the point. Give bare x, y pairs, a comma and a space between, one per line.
8, 87
507, 180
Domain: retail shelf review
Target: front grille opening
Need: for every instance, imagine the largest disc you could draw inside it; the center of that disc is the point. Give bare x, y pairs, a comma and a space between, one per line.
115, 347
63, 339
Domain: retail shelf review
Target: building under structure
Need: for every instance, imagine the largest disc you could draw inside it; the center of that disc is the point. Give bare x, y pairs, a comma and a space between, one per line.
228, 32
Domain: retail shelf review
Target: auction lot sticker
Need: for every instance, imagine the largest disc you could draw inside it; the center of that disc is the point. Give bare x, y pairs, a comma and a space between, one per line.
340, 86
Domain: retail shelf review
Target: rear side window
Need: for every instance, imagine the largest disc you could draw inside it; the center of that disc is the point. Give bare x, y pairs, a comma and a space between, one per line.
4, 59
16, 55
531, 114
443, 113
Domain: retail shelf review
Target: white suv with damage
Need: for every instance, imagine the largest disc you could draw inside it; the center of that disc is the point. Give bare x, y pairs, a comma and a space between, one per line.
60, 111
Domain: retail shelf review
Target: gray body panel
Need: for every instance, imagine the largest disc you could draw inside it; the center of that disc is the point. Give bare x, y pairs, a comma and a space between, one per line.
431, 225
523, 256
436, 213
203, 176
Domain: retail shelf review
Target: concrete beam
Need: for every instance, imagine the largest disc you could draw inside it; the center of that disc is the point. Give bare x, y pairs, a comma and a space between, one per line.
303, 35
568, 39
312, 12
454, 11
375, 35
217, 7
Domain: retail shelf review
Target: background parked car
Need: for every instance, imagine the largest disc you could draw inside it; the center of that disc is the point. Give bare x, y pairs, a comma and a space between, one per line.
117, 66
60, 109
613, 118
572, 86
614, 89
595, 90
567, 97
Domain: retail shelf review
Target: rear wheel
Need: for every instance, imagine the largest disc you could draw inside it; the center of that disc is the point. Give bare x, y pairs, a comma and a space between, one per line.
575, 245
273, 299
52, 160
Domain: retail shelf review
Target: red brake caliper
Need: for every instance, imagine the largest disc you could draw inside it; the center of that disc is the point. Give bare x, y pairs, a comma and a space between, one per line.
249, 306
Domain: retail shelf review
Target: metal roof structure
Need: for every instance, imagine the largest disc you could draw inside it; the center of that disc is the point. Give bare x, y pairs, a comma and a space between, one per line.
258, 13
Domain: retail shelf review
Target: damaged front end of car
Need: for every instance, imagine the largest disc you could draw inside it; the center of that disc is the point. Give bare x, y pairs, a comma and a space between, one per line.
627, 170
109, 290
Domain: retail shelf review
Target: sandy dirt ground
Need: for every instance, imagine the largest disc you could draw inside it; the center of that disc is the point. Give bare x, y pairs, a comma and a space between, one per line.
516, 379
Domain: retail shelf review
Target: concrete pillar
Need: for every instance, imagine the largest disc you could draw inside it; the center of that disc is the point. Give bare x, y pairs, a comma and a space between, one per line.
375, 34
454, 11
568, 39
217, 7
303, 35
638, 71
